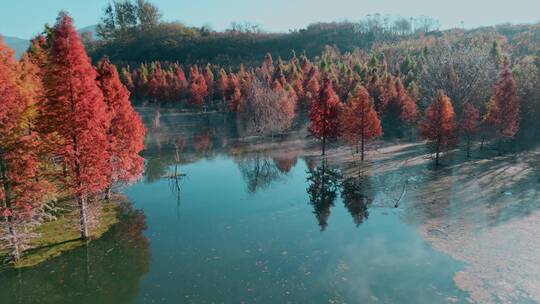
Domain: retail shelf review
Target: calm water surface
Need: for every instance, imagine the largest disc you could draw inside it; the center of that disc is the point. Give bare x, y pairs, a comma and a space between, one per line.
242, 228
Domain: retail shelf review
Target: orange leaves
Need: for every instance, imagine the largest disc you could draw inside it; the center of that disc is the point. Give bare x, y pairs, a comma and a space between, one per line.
503, 109
360, 120
324, 115
439, 124
74, 109
126, 131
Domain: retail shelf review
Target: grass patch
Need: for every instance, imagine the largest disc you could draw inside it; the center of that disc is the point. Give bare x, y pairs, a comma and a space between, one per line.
61, 235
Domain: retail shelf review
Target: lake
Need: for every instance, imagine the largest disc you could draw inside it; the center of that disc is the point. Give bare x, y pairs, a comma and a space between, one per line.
244, 225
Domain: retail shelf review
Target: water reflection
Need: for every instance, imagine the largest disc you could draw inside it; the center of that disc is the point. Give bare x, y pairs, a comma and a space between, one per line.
108, 270
323, 191
258, 171
177, 140
357, 197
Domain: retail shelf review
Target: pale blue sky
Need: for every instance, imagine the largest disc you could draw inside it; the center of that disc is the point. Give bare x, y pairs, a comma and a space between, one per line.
24, 18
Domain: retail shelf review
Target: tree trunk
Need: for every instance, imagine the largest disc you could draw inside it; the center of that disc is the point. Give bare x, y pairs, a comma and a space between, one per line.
362, 148
482, 144
14, 240
108, 193
15, 244
83, 201
468, 147
323, 146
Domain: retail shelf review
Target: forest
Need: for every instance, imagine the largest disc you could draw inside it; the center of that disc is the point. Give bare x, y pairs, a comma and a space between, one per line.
70, 135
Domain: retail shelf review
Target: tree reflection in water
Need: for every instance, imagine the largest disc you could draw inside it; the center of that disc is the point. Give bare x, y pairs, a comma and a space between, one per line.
107, 270
258, 171
357, 194
323, 191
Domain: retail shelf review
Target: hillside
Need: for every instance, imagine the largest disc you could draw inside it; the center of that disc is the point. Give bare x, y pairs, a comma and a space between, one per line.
17, 44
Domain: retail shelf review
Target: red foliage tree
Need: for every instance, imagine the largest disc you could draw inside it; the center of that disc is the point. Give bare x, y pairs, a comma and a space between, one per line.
324, 115
209, 80
179, 84
74, 109
360, 120
222, 84
468, 124
408, 110
389, 104
311, 87
234, 93
503, 109
126, 131
439, 125
22, 190
197, 87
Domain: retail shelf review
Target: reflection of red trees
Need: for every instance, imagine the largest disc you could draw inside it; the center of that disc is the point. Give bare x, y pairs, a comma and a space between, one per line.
202, 142
285, 164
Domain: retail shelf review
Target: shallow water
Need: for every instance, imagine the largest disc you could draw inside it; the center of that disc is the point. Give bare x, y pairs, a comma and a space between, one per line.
242, 228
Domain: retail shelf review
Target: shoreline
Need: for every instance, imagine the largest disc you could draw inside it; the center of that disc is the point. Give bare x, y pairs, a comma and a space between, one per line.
61, 235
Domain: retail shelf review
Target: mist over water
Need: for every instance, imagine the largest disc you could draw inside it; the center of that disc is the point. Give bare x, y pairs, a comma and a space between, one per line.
243, 226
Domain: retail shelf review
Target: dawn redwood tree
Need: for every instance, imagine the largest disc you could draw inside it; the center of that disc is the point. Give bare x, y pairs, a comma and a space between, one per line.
209, 80
222, 84
126, 131
234, 93
439, 125
312, 87
179, 84
198, 90
22, 189
360, 120
468, 124
75, 111
408, 113
503, 109
324, 115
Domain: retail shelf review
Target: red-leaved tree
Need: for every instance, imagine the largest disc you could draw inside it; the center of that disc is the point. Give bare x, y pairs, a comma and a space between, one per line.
324, 115
468, 124
360, 120
439, 125
126, 131
75, 111
22, 189
503, 109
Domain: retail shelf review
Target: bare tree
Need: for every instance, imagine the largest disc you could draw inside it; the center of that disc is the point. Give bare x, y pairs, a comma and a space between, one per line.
265, 110
465, 72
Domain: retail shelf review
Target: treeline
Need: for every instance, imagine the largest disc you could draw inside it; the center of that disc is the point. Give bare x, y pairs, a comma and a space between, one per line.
402, 87
126, 35
67, 132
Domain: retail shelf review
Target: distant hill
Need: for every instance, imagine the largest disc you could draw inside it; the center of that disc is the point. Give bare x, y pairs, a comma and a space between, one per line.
20, 45
17, 44
89, 29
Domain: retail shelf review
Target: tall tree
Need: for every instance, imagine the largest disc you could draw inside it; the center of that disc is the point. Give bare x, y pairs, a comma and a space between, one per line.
74, 109
324, 115
22, 189
408, 113
148, 14
360, 120
503, 109
439, 125
126, 131
197, 87
468, 124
